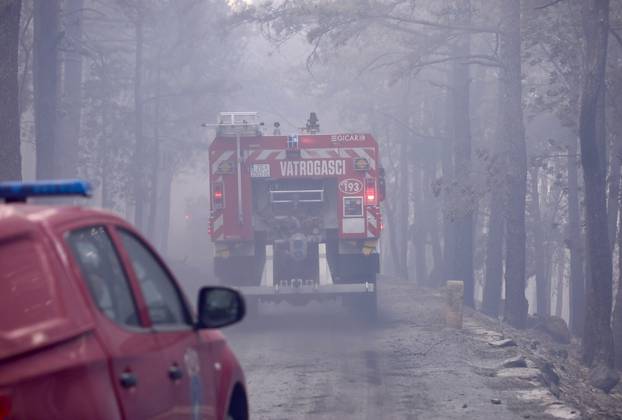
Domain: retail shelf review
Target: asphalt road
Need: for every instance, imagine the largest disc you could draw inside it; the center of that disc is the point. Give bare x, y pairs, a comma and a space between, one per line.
320, 362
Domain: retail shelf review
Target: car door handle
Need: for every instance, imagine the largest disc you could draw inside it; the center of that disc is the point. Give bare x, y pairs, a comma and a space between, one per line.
175, 372
128, 380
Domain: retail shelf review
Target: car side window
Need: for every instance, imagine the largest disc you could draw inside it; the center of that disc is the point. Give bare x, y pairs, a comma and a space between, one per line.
162, 297
103, 273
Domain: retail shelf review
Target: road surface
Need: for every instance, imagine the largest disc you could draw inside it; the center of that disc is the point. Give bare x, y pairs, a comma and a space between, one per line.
320, 362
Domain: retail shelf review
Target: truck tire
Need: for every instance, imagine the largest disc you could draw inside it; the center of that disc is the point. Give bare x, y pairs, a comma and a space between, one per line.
354, 268
242, 270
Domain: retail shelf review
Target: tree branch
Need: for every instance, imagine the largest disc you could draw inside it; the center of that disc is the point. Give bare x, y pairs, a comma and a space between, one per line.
549, 4
481, 59
558, 70
463, 28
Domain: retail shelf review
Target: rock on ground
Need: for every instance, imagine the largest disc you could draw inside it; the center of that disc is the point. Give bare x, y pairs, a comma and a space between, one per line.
604, 378
555, 326
508, 342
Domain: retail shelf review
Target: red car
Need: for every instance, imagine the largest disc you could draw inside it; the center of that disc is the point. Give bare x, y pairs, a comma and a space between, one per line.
93, 324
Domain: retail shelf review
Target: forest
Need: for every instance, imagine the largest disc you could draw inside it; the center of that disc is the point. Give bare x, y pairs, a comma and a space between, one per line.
500, 124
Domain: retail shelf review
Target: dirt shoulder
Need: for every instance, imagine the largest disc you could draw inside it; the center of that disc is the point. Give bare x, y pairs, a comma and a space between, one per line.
564, 384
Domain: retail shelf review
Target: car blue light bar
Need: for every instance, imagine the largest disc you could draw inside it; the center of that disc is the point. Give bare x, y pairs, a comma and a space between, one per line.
17, 191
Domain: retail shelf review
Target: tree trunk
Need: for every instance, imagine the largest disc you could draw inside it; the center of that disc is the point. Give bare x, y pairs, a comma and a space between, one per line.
166, 181
404, 189
447, 163
10, 155
463, 225
616, 134
139, 170
433, 229
419, 228
106, 151
493, 280
155, 164
543, 291
575, 244
45, 80
613, 196
70, 118
617, 313
391, 227
493, 275
25, 50
561, 271
597, 337
516, 176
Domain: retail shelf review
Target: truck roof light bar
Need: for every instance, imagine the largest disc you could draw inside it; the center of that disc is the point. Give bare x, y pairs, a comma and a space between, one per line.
19, 192
238, 124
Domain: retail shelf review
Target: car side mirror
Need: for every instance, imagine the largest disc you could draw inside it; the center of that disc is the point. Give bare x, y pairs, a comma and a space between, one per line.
219, 307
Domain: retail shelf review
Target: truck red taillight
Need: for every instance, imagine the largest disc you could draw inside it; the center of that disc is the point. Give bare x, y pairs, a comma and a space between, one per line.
5, 406
218, 196
371, 197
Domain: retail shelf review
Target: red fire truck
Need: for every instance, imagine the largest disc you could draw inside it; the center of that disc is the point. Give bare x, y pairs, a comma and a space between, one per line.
295, 217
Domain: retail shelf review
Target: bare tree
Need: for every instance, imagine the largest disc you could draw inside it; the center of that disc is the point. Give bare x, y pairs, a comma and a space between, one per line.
10, 155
